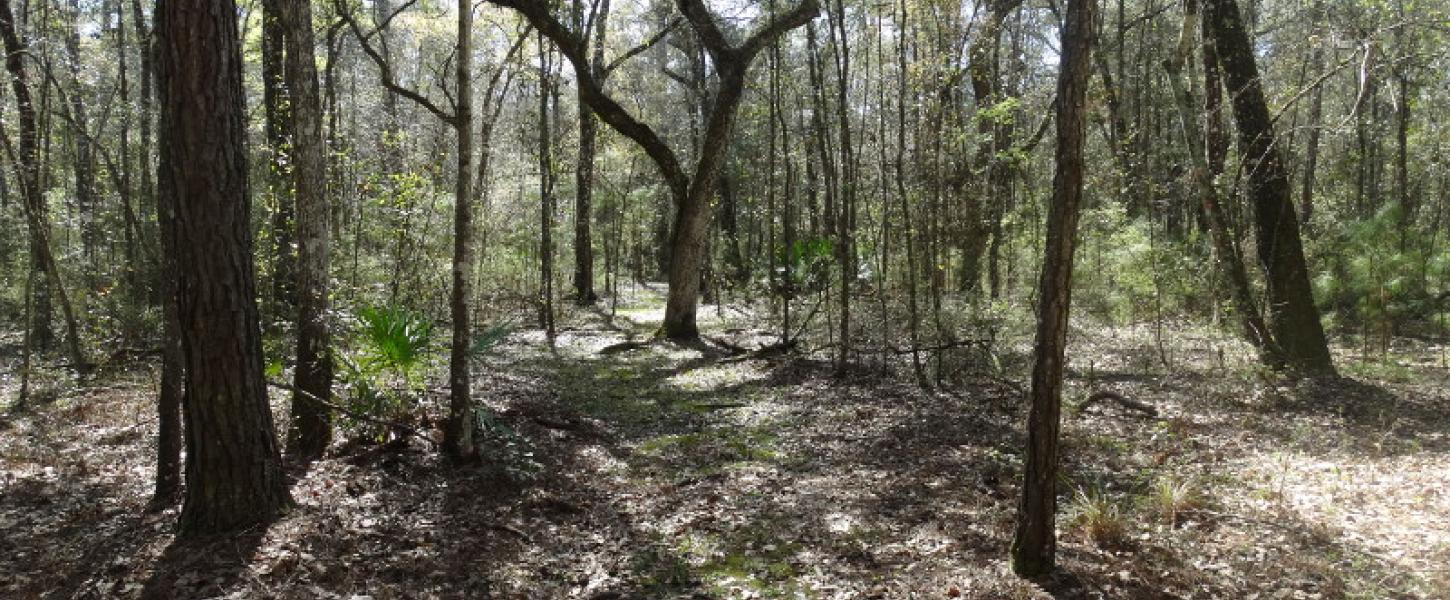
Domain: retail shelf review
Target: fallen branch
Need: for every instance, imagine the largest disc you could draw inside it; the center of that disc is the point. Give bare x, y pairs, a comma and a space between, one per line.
766, 351
623, 347
1120, 399
395, 425
937, 348
735, 349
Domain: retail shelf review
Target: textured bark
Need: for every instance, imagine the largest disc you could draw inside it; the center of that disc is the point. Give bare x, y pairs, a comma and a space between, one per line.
173, 358
1293, 318
234, 478
458, 434
311, 427
1034, 546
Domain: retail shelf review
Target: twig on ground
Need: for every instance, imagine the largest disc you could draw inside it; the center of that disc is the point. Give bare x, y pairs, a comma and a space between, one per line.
408, 429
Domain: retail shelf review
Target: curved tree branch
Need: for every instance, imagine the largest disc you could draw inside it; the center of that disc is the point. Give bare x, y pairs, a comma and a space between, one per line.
385, 70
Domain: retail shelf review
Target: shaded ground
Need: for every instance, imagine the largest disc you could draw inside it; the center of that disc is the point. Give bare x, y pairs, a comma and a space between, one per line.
670, 472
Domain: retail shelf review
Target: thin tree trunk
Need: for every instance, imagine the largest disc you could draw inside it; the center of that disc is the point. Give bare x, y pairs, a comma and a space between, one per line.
311, 428
458, 436
584, 294
899, 165
846, 228
546, 194
276, 103
84, 157
1311, 150
1034, 545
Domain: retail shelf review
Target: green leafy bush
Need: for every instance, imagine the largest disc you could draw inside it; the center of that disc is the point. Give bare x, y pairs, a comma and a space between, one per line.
385, 375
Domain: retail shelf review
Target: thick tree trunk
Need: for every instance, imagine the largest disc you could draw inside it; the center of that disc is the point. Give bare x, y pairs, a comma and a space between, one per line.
458, 440
692, 217
1034, 546
1293, 318
691, 193
234, 478
311, 428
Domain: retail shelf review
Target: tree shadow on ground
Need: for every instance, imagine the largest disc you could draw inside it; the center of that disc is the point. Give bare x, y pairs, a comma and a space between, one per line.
60, 535
203, 567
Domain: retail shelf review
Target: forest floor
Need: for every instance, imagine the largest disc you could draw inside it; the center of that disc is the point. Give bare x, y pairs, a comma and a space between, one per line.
661, 471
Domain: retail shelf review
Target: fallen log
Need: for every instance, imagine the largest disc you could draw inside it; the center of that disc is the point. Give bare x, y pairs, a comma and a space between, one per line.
1119, 399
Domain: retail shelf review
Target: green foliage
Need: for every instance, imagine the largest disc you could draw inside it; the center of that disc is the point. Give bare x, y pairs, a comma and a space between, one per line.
809, 261
1128, 273
384, 376
395, 338
1378, 274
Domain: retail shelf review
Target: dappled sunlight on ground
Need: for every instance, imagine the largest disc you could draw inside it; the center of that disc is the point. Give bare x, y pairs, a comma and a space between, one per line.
626, 467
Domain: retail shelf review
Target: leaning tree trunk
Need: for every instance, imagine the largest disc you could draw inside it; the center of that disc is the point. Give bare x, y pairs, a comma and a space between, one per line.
311, 428
1293, 318
234, 477
1034, 546
1226, 251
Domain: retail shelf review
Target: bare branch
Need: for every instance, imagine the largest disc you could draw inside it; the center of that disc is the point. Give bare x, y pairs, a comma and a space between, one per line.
385, 70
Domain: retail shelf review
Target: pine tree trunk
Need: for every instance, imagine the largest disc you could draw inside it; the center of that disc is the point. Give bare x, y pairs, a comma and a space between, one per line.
172, 390
234, 478
1034, 546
